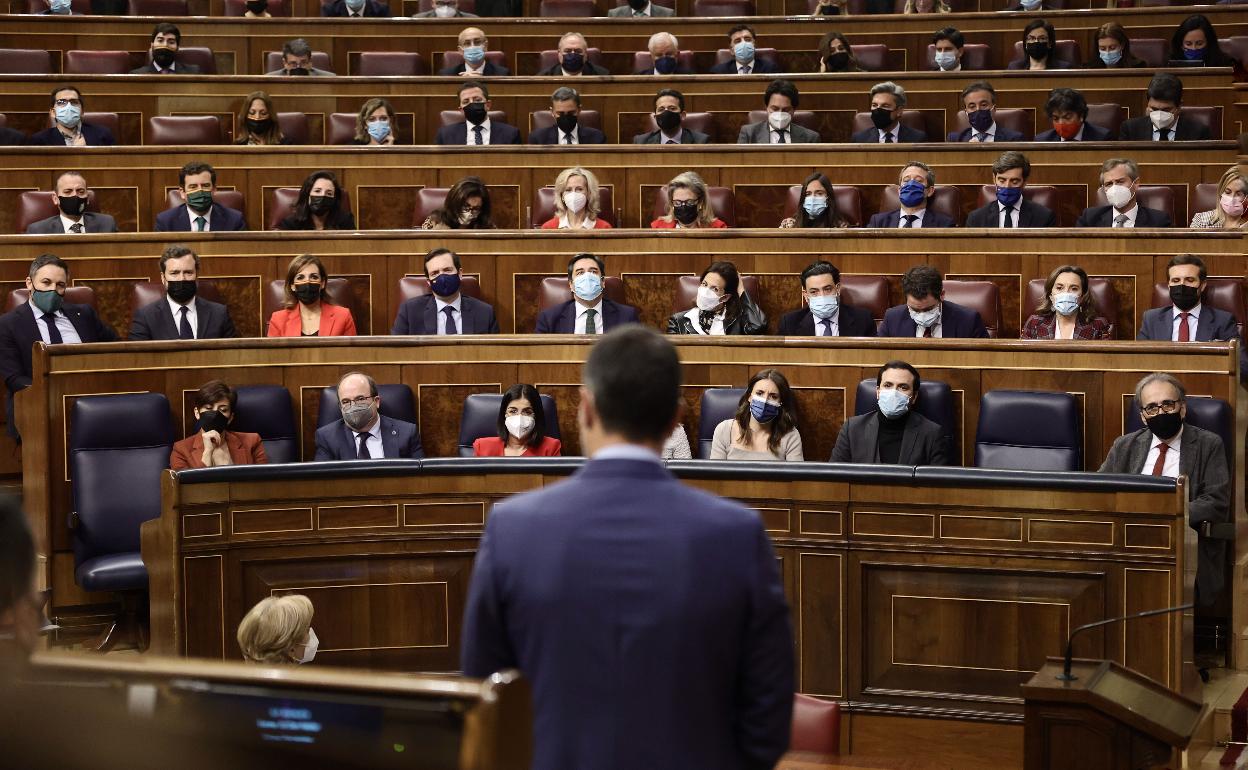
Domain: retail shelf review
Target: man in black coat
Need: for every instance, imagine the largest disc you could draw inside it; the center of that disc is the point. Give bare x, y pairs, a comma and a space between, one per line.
669, 113
180, 314
1163, 119
1011, 209
893, 433
68, 129
573, 58
474, 100
166, 39
70, 198
741, 43
447, 310
821, 288
355, 9
473, 46
1120, 181
565, 106
888, 102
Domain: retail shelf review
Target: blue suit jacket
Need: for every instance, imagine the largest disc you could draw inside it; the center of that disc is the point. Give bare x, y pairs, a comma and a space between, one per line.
561, 319
398, 440
1002, 134
649, 617
96, 136
761, 67
457, 133
419, 315
179, 221
955, 321
584, 134
931, 218
1213, 324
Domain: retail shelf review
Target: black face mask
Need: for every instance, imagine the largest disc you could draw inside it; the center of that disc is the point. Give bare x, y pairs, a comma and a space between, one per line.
836, 62
163, 56
1038, 51
72, 206
259, 126
257, 6
638, 5
565, 122
475, 113
685, 213
321, 204
308, 293
1165, 426
1184, 297
298, 71
668, 121
881, 118
211, 419
182, 292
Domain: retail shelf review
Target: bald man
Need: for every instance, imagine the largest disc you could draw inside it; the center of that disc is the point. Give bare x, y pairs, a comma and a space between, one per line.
473, 45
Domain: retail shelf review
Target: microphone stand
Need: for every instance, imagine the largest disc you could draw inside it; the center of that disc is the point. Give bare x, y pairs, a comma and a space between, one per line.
1066, 676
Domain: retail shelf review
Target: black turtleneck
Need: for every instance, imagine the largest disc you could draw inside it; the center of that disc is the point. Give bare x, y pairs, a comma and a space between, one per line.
889, 442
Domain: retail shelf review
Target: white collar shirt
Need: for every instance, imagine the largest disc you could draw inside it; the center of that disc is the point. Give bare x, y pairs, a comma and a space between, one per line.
471, 135
67, 223
456, 313
192, 316
581, 312
1193, 320
1169, 466
68, 332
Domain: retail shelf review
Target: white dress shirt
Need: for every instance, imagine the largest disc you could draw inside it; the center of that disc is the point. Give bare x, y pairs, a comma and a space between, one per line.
989, 136
1015, 211
820, 331
775, 135
191, 316
575, 135
742, 66
890, 132
586, 223
68, 332
1193, 320
67, 223
664, 138
471, 136
192, 215
1170, 466
581, 310
717, 324
1130, 213
902, 214
373, 442
455, 313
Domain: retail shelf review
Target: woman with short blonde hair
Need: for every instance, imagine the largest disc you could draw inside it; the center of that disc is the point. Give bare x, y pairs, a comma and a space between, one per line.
1228, 213
688, 205
576, 202
278, 630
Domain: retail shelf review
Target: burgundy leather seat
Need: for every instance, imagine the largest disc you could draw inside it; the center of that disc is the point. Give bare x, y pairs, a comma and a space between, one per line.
183, 130
816, 725
374, 63
25, 61
36, 205
981, 296
97, 62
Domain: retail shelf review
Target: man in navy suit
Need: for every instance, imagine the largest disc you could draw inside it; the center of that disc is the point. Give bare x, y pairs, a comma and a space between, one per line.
166, 39
916, 187
664, 51
473, 46
1187, 318
926, 313
1011, 209
474, 100
180, 315
565, 105
71, 196
979, 99
355, 9
364, 433
196, 182
648, 616
821, 290
67, 129
447, 310
1068, 111
888, 102
589, 311
1120, 181
669, 114
741, 42
1163, 119
44, 317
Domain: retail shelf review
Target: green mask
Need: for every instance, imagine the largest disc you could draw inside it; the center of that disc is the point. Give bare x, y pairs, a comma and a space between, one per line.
48, 301
200, 200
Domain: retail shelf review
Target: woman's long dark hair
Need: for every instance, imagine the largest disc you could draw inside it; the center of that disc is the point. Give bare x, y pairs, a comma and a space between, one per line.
301, 217
831, 216
1214, 55
784, 422
732, 281
521, 390
1113, 30
457, 197
1086, 312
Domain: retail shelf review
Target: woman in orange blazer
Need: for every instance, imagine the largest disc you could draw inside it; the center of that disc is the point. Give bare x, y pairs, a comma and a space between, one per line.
307, 311
212, 445
521, 428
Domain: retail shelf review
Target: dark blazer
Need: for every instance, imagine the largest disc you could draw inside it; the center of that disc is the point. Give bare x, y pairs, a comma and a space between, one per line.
1213, 324
1091, 133
96, 136
904, 134
590, 68
1141, 130
95, 223
341, 219
922, 442
178, 69
398, 440
1054, 64
371, 9
851, 322
760, 133
1029, 215
750, 319
679, 71
11, 137
561, 319
1202, 458
584, 134
418, 315
457, 134
155, 321
178, 220
491, 69
956, 321
1103, 216
760, 67
624, 11
1002, 134
931, 218
687, 136
556, 592
458, 15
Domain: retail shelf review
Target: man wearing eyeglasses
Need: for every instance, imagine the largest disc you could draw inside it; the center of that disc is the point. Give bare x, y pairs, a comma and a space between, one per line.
364, 433
68, 128
1168, 446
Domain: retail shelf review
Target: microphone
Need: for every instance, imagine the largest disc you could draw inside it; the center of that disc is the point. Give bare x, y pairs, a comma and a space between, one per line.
1066, 676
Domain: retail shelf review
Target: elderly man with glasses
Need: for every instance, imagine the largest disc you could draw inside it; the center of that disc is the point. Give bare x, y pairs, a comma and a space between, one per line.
363, 433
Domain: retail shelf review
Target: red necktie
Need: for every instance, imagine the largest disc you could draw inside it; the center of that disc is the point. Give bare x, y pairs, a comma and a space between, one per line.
927, 331
1184, 334
1161, 458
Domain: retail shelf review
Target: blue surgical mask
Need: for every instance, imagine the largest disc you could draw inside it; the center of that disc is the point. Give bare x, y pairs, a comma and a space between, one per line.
814, 206
1111, 57
474, 54
893, 403
1193, 54
1008, 196
1066, 303
59, 6
763, 410
587, 286
912, 193
69, 115
355, 5
1031, 5
823, 306
379, 129
926, 318
743, 52
946, 59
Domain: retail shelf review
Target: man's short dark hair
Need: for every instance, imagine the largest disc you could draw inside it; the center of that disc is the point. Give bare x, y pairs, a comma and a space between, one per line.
1188, 259
165, 28
680, 98
821, 267
922, 281
177, 251
58, 89
1166, 87
980, 85
1010, 160
435, 253
782, 87
43, 260
634, 375
564, 93
1066, 100
602, 266
473, 84
742, 28
193, 168
297, 47
17, 554
898, 365
952, 35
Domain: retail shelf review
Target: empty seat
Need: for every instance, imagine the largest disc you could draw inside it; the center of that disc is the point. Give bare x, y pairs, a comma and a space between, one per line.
294, 126
555, 291
200, 57
25, 61
341, 128
1104, 299
947, 200
642, 61
935, 403
268, 411
273, 61
974, 57
723, 203
428, 200
1150, 196
1210, 117
1067, 50
1020, 119
37, 205
848, 201
276, 8
162, 8
868, 292
1153, 51
981, 296
543, 207
283, 201
184, 130
872, 57
543, 119
718, 404
1108, 116
97, 62
714, 8
479, 419
1029, 430
1222, 293
816, 726
397, 403
694, 121
565, 9
75, 295
686, 292
374, 63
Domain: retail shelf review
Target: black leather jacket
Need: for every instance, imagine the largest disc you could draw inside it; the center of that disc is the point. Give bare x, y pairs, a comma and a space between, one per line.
749, 320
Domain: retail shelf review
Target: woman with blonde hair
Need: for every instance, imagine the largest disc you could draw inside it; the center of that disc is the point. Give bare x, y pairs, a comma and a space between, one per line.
1228, 213
258, 120
278, 631
374, 124
688, 205
306, 309
577, 205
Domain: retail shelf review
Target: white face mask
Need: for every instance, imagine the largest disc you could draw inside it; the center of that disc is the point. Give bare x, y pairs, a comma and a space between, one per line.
708, 300
1162, 119
444, 11
1119, 195
574, 201
926, 318
309, 649
519, 425
779, 120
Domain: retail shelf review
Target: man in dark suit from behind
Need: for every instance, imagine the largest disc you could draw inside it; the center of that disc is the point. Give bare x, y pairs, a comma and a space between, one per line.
893, 433
71, 196
44, 317
741, 42
1187, 318
68, 128
1163, 119
780, 100
979, 100
1120, 179
363, 432
1011, 209
473, 46
474, 100
888, 102
565, 106
355, 9
198, 213
669, 113
823, 313
686, 662
180, 315
916, 186
926, 312
447, 310
166, 39
589, 311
